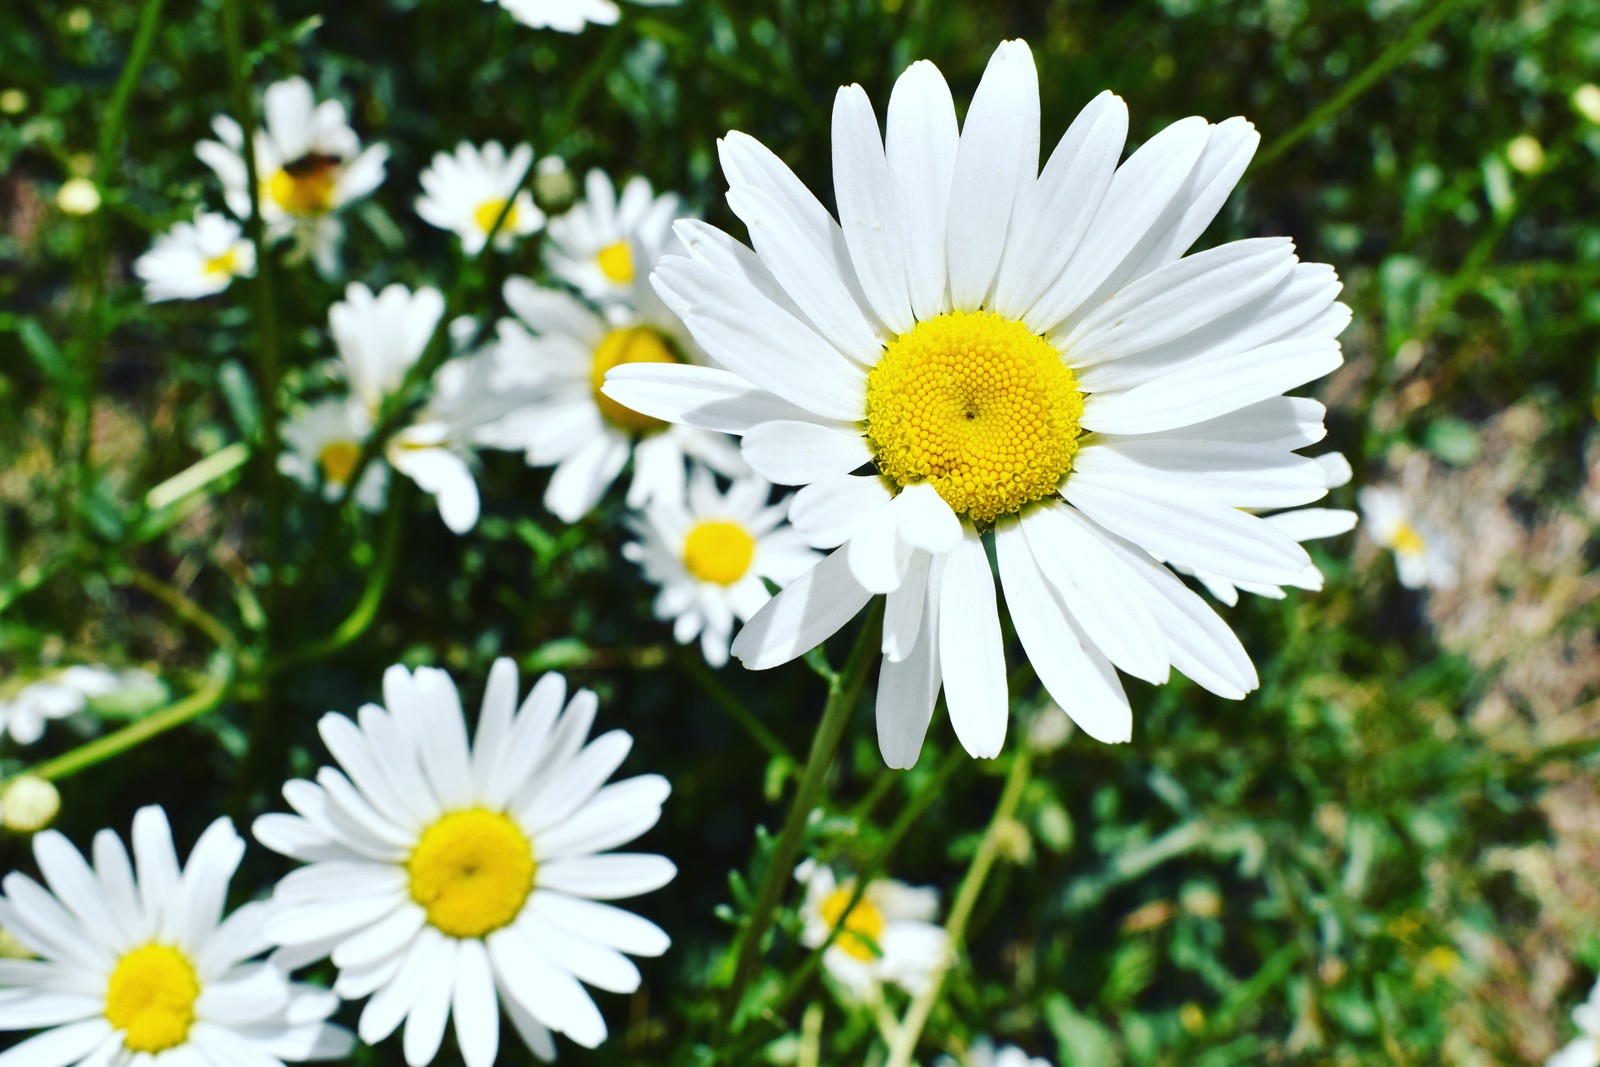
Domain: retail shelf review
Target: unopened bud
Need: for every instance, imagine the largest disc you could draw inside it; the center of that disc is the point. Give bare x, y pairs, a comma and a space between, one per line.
78, 196
28, 805
552, 184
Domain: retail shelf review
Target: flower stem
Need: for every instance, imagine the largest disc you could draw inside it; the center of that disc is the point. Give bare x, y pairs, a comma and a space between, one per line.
961, 911
843, 691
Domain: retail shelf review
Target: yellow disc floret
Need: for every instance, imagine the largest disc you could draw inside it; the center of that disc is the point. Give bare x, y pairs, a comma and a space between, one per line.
631, 344
615, 261
1408, 541
489, 210
862, 936
151, 998
226, 263
471, 872
305, 187
718, 551
338, 461
978, 406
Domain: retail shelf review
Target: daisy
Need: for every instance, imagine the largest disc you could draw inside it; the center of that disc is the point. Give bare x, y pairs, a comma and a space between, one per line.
1582, 1051
568, 16
603, 245
466, 192
710, 554
562, 348
196, 259
1423, 554
984, 1054
322, 443
137, 965
445, 876
310, 164
380, 337
888, 936
1013, 356
55, 696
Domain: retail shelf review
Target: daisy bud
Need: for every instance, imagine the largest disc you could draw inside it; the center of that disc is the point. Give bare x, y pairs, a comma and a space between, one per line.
28, 805
78, 196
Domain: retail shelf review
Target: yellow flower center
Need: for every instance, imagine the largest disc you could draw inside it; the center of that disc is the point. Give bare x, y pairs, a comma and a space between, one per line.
227, 263
489, 210
1407, 541
616, 262
632, 344
338, 461
718, 552
979, 407
471, 872
305, 187
862, 936
151, 998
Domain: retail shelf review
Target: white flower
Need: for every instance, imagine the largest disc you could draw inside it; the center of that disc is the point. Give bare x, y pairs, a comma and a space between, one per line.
1582, 1051
466, 192
889, 936
196, 259
1424, 555
310, 164
568, 16
1023, 352
572, 426
602, 246
380, 337
62, 693
138, 967
322, 445
444, 877
709, 555
984, 1054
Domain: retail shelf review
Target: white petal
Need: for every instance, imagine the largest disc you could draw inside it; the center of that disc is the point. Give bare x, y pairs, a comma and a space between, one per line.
925, 521
548, 993
1234, 475
971, 650
828, 511
475, 1006
902, 616
430, 1011
877, 557
867, 208
1228, 152
704, 397
920, 146
803, 616
612, 876
798, 453
908, 688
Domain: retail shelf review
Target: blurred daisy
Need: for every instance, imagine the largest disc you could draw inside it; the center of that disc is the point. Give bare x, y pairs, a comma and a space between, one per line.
562, 348
196, 259
55, 696
380, 337
466, 192
137, 965
322, 443
568, 16
448, 878
1423, 554
1021, 355
603, 245
889, 936
310, 164
709, 555
984, 1054
1583, 1051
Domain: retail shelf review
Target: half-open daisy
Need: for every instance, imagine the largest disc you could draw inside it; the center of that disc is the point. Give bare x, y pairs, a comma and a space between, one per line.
466, 191
889, 936
136, 964
195, 259
310, 164
982, 350
1424, 555
380, 337
709, 554
450, 878
322, 446
603, 244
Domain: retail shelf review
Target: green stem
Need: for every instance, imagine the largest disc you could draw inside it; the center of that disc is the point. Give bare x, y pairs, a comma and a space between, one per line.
728, 701
183, 606
961, 911
843, 692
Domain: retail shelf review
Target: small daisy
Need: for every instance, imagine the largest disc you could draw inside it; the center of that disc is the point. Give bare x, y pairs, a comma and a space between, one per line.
322, 445
196, 259
984, 1054
709, 555
1021, 358
889, 936
562, 348
380, 337
450, 878
310, 164
1582, 1051
62, 693
603, 245
466, 192
1424, 555
137, 966
568, 16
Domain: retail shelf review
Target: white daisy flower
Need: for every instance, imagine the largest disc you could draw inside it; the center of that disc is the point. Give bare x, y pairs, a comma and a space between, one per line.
984, 1054
137, 966
466, 192
568, 16
561, 347
1424, 555
603, 245
709, 554
310, 164
888, 937
1583, 1051
1010, 351
195, 259
444, 876
322, 445
380, 337
66, 692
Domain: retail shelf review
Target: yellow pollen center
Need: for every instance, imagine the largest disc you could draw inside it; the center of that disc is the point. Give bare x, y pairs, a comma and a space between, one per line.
151, 997
862, 936
616, 262
305, 187
632, 344
227, 263
338, 461
1407, 541
718, 552
472, 871
978, 406
489, 210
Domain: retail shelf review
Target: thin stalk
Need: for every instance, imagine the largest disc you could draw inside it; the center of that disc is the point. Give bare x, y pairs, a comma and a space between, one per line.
184, 607
961, 911
843, 692
729, 702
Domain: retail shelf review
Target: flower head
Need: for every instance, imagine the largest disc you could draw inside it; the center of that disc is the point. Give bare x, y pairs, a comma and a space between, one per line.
322, 446
605, 245
380, 337
196, 259
568, 16
55, 696
466, 192
888, 936
1424, 555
